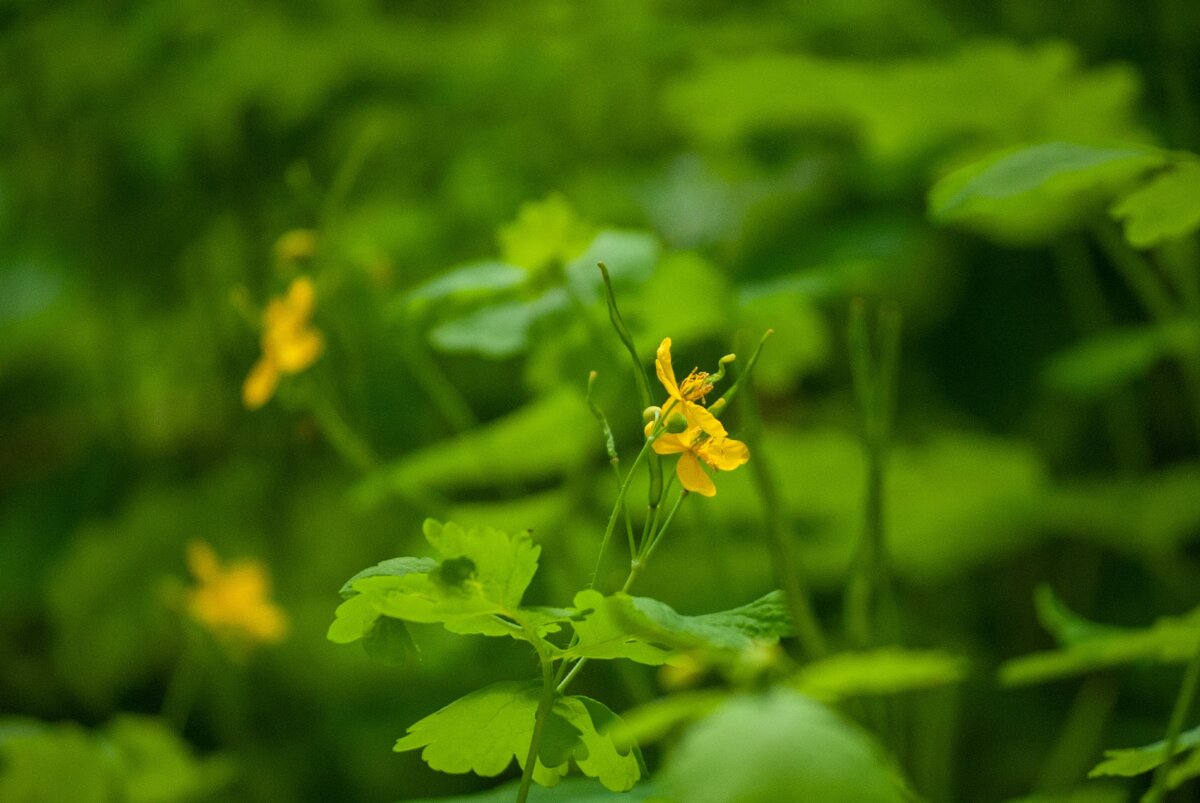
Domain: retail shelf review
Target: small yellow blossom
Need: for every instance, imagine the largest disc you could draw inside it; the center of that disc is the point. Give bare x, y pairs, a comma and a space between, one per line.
704, 441
232, 601
290, 343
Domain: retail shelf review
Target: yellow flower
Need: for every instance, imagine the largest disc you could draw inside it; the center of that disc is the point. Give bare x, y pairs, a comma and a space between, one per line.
704, 442
289, 342
232, 601
296, 245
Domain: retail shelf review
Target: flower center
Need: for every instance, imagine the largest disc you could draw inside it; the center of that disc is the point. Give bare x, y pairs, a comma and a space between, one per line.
695, 386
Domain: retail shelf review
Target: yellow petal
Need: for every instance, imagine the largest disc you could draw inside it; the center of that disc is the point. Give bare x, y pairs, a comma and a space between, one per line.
671, 444
666, 373
724, 454
700, 418
260, 384
301, 296
693, 477
295, 353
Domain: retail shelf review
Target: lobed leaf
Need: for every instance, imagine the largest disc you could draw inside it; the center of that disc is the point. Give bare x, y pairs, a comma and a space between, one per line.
1165, 208
485, 730
1132, 761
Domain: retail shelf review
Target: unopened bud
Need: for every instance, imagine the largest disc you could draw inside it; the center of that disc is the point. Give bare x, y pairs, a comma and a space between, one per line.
676, 423
651, 414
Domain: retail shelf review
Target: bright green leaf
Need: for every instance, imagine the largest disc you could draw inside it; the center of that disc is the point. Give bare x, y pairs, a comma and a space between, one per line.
571, 790
1166, 208
888, 670
1133, 761
1034, 193
630, 257
545, 232
482, 733
603, 633
392, 567
1065, 625
776, 747
764, 619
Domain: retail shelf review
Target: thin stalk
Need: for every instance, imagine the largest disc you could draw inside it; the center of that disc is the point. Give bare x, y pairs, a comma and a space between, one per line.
539, 723
436, 386
643, 382
787, 565
869, 592
353, 449
1179, 714
616, 511
184, 685
614, 457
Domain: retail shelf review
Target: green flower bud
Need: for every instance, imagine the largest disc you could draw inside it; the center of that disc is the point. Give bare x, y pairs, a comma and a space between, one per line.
676, 423
651, 414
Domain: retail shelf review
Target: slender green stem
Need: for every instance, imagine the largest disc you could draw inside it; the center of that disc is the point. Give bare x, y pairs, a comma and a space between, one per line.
184, 685
1179, 714
787, 565
869, 590
436, 386
616, 511
539, 723
353, 449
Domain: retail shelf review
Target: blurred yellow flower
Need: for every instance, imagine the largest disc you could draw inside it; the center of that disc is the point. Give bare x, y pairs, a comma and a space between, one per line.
289, 342
704, 441
232, 601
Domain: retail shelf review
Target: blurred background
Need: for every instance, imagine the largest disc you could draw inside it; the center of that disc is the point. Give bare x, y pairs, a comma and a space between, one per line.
168, 168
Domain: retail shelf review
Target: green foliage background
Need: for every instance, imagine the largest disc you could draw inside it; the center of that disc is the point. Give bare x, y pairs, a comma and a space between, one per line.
749, 165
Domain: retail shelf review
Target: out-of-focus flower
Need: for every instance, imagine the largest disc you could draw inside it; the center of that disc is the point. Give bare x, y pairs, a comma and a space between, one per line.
704, 441
295, 246
290, 343
233, 601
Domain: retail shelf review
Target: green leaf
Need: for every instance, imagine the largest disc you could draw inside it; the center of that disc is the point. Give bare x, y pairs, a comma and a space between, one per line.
1166, 208
1169, 640
483, 574
630, 257
1032, 194
155, 765
389, 641
884, 671
484, 731
392, 567
775, 747
545, 232
604, 634
545, 438
1132, 761
649, 632
764, 619
651, 721
468, 283
1107, 361
687, 298
499, 330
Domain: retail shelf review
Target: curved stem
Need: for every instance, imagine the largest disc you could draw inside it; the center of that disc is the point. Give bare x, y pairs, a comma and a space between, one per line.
539, 722
617, 508
1183, 704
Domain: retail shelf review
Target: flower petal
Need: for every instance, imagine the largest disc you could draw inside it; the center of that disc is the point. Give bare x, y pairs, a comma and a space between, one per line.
260, 384
298, 351
700, 418
693, 477
672, 444
666, 373
724, 454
